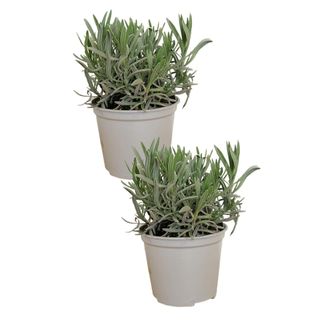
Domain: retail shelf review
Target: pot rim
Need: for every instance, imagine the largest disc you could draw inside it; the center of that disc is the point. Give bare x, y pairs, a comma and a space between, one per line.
136, 115
172, 105
184, 242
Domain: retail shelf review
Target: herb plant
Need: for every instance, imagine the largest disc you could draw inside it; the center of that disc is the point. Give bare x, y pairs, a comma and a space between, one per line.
130, 67
177, 194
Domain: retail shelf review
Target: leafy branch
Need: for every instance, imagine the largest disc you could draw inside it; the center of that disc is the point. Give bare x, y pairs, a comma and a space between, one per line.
130, 67
177, 194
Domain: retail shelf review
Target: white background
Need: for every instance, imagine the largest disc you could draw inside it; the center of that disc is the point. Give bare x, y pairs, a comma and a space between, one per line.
64, 250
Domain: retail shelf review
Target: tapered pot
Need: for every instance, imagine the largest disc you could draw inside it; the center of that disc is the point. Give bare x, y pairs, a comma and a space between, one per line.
184, 271
120, 131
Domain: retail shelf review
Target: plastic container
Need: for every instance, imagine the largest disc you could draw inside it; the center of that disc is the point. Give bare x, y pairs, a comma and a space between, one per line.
121, 130
183, 271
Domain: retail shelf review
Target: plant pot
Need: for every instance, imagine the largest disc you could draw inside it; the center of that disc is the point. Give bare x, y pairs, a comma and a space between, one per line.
183, 271
121, 130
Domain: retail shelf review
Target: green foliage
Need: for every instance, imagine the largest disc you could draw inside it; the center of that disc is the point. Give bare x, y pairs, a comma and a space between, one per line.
177, 194
130, 67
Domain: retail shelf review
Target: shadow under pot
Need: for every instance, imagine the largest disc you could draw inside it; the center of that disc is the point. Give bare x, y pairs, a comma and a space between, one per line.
120, 131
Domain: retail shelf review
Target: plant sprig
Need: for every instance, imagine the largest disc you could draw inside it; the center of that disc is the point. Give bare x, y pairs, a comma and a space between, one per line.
177, 194
130, 67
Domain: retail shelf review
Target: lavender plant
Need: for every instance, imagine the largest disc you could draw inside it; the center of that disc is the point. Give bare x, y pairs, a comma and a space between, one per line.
177, 194
132, 67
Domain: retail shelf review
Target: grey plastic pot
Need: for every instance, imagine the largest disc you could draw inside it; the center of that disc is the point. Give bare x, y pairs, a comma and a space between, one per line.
121, 130
183, 271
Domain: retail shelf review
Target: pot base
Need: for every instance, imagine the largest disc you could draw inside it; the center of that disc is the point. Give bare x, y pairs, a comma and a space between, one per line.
190, 304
